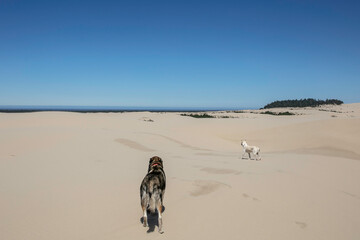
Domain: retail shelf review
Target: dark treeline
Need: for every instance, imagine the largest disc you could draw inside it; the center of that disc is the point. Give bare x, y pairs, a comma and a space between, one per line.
309, 102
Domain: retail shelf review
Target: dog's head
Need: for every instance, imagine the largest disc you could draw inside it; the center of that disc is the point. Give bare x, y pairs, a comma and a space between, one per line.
155, 162
243, 143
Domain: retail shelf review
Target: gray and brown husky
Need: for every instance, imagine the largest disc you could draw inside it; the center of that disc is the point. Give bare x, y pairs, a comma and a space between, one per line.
152, 190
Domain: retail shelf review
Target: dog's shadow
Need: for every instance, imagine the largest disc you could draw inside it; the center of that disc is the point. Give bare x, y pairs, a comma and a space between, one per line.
246, 158
152, 219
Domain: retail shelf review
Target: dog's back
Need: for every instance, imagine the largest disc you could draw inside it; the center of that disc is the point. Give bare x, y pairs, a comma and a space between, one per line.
152, 189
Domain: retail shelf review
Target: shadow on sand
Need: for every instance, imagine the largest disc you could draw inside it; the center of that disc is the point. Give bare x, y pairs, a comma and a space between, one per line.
152, 220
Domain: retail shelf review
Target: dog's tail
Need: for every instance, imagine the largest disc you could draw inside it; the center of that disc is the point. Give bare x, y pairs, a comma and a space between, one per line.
155, 198
150, 197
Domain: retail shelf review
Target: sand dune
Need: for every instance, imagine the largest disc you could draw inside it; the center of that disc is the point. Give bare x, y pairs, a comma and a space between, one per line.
133, 145
77, 176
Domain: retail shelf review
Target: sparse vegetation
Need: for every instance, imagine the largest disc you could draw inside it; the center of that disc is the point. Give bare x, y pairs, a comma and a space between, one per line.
196, 115
324, 110
225, 116
309, 102
278, 113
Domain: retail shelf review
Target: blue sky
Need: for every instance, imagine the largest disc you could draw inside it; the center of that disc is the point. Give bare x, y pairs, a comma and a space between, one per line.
178, 53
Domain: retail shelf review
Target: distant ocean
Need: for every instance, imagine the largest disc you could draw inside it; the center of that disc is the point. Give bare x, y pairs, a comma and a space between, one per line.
104, 109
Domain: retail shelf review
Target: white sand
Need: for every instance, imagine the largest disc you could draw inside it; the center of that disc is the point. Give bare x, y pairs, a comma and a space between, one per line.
77, 176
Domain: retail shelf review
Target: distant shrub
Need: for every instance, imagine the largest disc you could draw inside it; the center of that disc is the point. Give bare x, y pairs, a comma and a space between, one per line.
309, 102
278, 114
325, 110
226, 116
285, 113
204, 115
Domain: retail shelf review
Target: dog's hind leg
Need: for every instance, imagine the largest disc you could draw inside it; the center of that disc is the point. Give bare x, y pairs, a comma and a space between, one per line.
258, 157
144, 216
144, 203
159, 210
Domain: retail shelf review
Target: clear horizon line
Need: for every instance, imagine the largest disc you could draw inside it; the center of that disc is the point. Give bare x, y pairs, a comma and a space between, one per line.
122, 107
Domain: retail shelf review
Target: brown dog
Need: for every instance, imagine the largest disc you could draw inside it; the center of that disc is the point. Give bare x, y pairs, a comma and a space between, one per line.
152, 190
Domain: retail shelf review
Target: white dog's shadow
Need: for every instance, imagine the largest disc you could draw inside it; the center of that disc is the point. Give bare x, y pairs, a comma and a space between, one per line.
247, 158
152, 219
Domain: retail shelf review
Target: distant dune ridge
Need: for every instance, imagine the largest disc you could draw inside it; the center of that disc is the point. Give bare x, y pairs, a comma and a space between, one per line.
67, 175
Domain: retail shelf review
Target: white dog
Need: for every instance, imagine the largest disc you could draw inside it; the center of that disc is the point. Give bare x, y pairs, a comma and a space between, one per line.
250, 149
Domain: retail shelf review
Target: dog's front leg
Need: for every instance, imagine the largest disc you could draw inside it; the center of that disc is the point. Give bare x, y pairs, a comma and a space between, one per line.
242, 156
